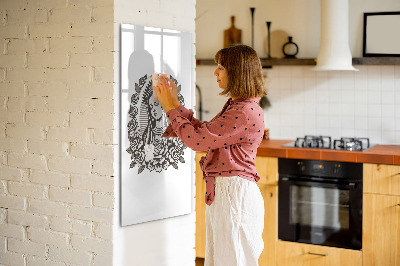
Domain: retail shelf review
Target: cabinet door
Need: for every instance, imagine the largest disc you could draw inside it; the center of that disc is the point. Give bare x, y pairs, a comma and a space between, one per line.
381, 230
270, 233
381, 179
267, 168
297, 254
200, 209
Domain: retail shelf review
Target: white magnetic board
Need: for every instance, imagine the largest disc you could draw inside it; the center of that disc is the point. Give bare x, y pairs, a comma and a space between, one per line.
155, 172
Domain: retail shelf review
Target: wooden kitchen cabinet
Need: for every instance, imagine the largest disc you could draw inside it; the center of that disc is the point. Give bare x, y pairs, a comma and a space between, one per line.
381, 226
381, 179
381, 230
267, 168
298, 254
270, 233
200, 209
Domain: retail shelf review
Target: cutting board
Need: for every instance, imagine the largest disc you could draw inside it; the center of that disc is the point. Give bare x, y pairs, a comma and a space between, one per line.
232, 35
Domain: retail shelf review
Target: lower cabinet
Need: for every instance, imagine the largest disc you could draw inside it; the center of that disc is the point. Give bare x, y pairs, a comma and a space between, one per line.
200, 209
381, 222
381, 230
270, 233
267, 167
297, 254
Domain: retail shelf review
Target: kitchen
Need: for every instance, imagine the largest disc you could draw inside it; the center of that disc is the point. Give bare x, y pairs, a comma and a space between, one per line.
59, 143
338, 105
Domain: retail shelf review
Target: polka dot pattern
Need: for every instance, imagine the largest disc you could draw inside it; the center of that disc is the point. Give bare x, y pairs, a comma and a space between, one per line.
231, 139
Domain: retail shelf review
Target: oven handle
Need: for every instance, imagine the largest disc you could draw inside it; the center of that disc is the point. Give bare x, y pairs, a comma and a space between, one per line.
297, 181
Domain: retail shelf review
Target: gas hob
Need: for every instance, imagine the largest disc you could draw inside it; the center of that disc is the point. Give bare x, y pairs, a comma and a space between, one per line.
325, 142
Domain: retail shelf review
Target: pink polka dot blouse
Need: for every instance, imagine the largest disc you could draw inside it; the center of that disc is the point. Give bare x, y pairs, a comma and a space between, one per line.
231, 139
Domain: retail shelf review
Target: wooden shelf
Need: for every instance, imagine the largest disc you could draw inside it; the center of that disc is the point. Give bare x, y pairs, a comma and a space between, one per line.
376, 61
312, 61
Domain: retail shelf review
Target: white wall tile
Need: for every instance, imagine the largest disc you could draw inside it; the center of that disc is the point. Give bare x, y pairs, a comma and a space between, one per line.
374, 97
348, 132
388, 124
397, 122
310, 108
374, 83
388, 84
389, 137
348, 122
374, 110
348, 95
338, 104
310, 95
360, 97
387, 72
397, 72
322, 108
335, 95
334, 109
322, 95
375, 136
374, 123
388, 97
347, 109
361, 110
322, 121
388, 110
361, 123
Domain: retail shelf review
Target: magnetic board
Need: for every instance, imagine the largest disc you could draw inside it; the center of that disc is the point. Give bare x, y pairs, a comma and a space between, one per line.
155, 172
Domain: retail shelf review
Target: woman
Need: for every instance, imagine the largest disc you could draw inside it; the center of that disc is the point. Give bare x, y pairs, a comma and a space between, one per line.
235, 207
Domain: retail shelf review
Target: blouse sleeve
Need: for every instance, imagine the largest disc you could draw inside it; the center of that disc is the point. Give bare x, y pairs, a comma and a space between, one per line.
186, 113
222, 131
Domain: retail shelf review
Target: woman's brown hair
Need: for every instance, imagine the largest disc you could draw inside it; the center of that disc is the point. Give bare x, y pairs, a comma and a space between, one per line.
245, 78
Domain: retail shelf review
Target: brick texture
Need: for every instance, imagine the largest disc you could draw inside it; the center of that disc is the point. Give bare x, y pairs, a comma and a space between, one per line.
56, 121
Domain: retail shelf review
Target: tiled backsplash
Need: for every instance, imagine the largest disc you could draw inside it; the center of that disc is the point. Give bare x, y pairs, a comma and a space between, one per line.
338, 104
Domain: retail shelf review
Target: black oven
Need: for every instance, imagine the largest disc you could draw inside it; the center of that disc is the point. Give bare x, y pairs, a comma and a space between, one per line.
320, 202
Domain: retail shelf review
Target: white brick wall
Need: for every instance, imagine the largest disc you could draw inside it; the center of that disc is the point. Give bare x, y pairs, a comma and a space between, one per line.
56, 126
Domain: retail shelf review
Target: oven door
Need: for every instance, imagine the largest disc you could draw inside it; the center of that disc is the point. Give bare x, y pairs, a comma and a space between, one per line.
320, 212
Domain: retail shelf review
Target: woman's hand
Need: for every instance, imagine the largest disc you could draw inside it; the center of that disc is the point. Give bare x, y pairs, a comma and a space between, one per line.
164, 96
174, 93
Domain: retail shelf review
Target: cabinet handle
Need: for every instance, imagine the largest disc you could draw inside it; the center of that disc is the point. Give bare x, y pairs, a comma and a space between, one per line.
318, 254
398, 204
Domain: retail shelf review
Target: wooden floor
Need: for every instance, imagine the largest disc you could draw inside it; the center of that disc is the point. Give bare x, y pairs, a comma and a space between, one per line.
199, 262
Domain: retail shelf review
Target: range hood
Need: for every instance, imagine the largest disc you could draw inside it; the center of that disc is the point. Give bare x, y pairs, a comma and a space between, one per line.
334, 51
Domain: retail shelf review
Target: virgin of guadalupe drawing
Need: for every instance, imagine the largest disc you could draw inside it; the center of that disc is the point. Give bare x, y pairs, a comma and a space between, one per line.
147, 148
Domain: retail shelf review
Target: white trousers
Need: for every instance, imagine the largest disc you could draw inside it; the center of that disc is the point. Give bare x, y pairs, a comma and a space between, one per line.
234, 223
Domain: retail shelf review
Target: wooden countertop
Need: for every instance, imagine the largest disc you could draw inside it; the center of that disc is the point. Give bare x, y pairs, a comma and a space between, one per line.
379, 154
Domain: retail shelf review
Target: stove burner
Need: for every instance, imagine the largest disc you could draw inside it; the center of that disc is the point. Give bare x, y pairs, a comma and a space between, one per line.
351, 144
308, 141
324, 142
